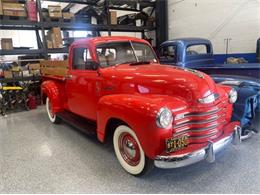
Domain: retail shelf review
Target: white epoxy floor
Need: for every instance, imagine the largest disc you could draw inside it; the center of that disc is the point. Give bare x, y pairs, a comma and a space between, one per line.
39, 157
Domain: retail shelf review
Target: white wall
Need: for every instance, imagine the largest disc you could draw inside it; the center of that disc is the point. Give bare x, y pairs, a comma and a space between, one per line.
217, 20
21, 38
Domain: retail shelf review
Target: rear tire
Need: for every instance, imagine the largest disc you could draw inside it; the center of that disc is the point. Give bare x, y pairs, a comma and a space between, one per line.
129, 152
52, 117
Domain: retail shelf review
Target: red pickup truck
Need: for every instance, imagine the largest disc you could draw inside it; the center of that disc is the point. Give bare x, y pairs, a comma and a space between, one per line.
155, 114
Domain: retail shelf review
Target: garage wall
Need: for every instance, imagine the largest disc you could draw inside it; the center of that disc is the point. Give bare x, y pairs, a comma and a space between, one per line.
23, 38
235, 20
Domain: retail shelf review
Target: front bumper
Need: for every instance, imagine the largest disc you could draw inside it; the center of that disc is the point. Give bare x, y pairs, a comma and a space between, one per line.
207, 153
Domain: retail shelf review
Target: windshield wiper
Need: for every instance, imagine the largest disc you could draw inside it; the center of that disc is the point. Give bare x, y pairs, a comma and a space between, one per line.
140, 63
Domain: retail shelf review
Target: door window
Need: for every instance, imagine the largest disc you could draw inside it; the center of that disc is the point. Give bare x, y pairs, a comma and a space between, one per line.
82, 59
168, 53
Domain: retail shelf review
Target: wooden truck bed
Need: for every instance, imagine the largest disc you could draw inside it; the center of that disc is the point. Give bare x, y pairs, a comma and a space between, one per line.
54, 69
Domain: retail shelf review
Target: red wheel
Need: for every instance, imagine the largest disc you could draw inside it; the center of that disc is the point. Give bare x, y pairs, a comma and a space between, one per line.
53, 118
129, 151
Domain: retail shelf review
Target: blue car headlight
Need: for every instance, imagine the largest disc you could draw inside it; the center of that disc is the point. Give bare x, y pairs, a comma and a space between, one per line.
232, 95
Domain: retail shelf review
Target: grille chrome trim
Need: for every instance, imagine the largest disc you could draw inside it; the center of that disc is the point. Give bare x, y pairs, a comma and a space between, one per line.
197, 122
194, 114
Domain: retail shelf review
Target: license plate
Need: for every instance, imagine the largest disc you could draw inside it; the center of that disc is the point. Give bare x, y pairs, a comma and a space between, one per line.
174, 144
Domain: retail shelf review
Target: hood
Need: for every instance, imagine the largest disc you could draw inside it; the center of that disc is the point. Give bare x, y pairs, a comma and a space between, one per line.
160, 79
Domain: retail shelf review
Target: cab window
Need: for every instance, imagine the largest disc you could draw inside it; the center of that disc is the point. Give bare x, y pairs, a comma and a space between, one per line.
82, 59
168, 53
197, 49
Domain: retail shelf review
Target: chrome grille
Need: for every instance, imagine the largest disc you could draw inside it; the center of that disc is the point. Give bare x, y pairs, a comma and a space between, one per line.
202, 124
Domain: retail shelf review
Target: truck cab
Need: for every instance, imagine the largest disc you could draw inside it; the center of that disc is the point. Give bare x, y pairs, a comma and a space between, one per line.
154, 114
187, 52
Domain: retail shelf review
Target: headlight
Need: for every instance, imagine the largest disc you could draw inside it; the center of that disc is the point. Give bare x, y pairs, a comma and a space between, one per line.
232, 95
164, 118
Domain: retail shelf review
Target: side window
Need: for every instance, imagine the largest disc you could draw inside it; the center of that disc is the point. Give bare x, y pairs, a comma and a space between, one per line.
197, 49
169, 53
81, 59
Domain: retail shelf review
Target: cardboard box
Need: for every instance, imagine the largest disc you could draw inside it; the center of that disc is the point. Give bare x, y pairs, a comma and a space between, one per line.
35, 66
14, 6
14, 9
1, 8
15, 13
113, 17
35, 72
54, 38
54, 11
7, 44
8, 74
49, 44
26, 73
67, 15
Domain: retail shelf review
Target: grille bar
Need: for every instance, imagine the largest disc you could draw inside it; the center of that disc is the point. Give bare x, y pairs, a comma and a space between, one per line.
201, 125
214, 111
192, 122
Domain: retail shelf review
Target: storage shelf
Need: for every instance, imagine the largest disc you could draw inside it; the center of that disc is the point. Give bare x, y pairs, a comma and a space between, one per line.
17, 79
98, 27
18, 24
58, 50
85, 2
21, 51
9, 23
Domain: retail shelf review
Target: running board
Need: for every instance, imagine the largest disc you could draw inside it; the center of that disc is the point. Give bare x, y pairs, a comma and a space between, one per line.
78, 122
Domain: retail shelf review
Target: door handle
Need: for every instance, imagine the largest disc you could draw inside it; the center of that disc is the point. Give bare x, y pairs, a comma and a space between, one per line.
69, 77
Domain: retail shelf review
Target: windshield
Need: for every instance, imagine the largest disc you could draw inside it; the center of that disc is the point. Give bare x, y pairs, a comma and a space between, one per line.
110, 54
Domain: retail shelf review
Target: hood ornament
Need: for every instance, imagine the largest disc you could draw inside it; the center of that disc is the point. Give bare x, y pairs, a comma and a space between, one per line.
195, 72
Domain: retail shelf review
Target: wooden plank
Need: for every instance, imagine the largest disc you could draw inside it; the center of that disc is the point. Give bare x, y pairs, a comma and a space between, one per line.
50, 63
54, 68
54, 71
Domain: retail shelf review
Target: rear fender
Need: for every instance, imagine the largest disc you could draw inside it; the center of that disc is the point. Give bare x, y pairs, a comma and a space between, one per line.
53, 91
139, 112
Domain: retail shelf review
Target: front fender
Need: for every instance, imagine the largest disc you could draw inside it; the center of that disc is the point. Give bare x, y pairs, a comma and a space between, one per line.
52, 90
139, 112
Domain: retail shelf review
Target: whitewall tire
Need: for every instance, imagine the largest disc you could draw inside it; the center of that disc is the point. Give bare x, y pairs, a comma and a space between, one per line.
52, 117
129, 151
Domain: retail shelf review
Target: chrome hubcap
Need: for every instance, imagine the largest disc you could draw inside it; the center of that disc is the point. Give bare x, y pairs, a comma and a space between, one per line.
129, 149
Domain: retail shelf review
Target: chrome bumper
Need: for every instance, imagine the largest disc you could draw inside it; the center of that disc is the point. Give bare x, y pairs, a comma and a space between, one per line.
207, 153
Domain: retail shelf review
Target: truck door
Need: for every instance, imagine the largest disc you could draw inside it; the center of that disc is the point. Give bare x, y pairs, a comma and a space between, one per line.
81, 84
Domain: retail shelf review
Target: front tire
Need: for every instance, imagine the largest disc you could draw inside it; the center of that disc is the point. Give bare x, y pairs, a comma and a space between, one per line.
129, 151
52, 117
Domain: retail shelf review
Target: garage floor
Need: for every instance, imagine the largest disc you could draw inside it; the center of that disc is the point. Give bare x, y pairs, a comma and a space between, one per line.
38, 157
